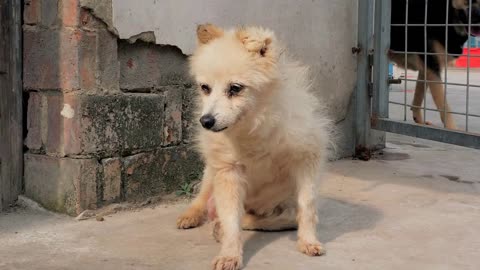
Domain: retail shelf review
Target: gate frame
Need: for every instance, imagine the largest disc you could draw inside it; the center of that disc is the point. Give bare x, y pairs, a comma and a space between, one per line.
366, 138
377, 85
11, 104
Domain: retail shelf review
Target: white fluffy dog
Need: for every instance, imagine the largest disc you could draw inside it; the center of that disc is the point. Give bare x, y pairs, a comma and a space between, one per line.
264, 140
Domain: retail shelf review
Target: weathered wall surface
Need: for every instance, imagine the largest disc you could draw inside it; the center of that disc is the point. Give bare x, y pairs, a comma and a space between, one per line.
320, 33
107, 120
111, 119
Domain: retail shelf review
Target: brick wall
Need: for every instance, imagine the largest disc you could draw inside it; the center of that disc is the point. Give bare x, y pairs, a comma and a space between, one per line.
107, 120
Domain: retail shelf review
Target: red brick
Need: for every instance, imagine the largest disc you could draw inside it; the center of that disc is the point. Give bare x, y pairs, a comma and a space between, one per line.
41, 12
69, 12
172, 128
68, 60
35, 121
32, 11
63, 126
87, 56
108, 68
51, 59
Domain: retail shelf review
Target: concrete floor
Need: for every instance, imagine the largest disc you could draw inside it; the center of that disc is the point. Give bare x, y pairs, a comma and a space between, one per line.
415, 207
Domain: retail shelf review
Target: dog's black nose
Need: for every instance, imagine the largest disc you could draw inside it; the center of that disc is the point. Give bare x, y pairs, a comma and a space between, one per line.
207, 121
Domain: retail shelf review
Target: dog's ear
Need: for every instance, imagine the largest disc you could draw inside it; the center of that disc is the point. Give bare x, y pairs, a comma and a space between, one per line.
208, 32
257, 40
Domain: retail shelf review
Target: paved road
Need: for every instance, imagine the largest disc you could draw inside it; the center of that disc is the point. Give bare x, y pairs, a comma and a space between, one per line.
456, 96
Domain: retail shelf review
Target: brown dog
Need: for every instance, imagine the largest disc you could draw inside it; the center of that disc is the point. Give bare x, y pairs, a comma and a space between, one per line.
442, 45
263, 140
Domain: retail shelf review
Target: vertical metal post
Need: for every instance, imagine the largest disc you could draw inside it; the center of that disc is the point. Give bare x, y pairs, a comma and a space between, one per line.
468, 65
447, 21
405, 64
11, 118
425, 62
381, 47
365, 137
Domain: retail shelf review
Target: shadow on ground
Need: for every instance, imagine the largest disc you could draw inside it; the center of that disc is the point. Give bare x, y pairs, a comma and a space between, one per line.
336, 218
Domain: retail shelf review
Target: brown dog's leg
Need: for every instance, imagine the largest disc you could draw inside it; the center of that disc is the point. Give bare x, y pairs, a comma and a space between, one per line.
438, 94
229, 193
306, 177
418, 98
196, 213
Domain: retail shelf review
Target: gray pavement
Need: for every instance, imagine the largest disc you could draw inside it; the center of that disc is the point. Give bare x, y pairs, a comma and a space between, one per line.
417, 206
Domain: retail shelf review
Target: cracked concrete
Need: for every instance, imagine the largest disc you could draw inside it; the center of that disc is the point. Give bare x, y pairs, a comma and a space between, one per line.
416, 206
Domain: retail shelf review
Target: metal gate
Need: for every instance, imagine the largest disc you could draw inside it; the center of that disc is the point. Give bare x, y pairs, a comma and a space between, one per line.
383, 102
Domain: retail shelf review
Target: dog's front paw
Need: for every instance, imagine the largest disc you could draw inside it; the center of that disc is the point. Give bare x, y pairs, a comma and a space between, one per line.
311, 248
227, 263
190, 219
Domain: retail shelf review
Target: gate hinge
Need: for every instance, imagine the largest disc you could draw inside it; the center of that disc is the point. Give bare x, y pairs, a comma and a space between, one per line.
370, 73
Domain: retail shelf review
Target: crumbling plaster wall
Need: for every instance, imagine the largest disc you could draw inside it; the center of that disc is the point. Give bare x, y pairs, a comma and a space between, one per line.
107, 120
110, 103
320, 33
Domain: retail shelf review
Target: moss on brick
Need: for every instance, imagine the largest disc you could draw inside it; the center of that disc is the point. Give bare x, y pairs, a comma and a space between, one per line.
160, 171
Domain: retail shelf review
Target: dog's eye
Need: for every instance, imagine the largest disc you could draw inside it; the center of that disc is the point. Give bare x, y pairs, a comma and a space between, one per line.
205, 88
235, 88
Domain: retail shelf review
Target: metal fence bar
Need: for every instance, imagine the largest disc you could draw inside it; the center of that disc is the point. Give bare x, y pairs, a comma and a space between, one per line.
435, 24
445, 80
433, 110
362, 95
405, 63
425, 71
429, 133
432, 53
468, 63
451, 83
382, 45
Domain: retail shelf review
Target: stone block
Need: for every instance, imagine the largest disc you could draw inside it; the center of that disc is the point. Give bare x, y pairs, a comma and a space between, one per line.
35, 119
32, 12
41, 12
102, 126
145, 66
107, 64
62, 184
69, 59
160, 171
112, 179
121, 124
63, 129
42, 68
172, 128
190, 118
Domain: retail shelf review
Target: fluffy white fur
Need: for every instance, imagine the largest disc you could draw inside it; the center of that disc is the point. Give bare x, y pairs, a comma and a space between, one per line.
264, 163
